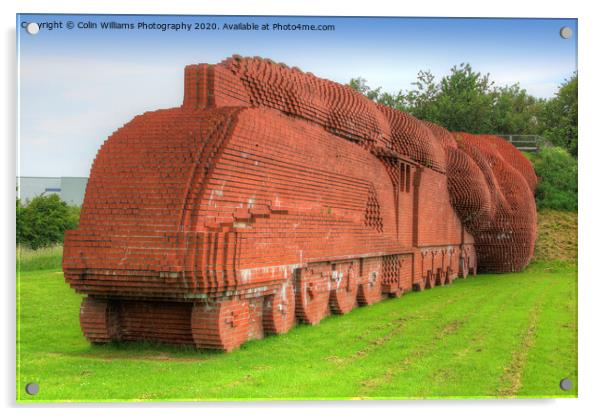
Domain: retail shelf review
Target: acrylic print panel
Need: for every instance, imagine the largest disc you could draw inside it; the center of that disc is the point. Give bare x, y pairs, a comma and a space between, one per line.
267, 208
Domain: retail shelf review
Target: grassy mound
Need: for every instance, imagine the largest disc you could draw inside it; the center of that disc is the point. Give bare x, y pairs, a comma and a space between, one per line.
556, 236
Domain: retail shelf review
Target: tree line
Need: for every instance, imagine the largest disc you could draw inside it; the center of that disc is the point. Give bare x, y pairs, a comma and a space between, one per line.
467, 100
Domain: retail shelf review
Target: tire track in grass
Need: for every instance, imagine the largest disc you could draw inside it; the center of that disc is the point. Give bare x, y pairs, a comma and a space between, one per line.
414, 317
493, 298
554, 354
392, 371
442, 375
511, 379
443, 329
398, 325
374, 344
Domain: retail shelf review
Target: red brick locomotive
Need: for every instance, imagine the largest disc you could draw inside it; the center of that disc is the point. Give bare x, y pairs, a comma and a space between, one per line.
272, 197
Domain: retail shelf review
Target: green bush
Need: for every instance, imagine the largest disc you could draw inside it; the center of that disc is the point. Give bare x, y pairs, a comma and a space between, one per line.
43, 221
557, 173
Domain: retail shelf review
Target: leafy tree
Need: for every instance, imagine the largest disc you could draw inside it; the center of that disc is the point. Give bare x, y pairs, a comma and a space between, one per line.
560, 116
360, 85
514, 111
421, 100
396, 101
44, 220
463, 102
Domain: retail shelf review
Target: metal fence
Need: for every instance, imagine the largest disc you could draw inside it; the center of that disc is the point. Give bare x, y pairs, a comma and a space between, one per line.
526, 142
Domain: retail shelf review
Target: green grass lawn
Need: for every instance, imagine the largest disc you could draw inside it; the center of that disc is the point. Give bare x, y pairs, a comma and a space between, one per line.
511, 335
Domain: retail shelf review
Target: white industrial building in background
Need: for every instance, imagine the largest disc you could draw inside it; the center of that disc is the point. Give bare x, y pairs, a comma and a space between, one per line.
69, 189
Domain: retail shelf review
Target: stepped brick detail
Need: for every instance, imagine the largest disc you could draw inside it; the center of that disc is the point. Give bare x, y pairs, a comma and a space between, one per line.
272, 197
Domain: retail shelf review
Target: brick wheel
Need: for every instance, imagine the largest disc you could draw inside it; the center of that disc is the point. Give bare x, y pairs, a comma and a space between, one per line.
99, 320
370, 292
279, 310
344, 293
220, 325
312, 296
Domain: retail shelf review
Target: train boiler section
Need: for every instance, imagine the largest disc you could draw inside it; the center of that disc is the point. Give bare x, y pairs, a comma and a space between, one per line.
272, 197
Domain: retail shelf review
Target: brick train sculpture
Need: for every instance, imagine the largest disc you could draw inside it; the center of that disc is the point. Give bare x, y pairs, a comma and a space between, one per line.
272, 197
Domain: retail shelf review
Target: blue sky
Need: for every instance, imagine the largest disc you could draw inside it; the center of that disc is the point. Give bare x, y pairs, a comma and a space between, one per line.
77, 86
